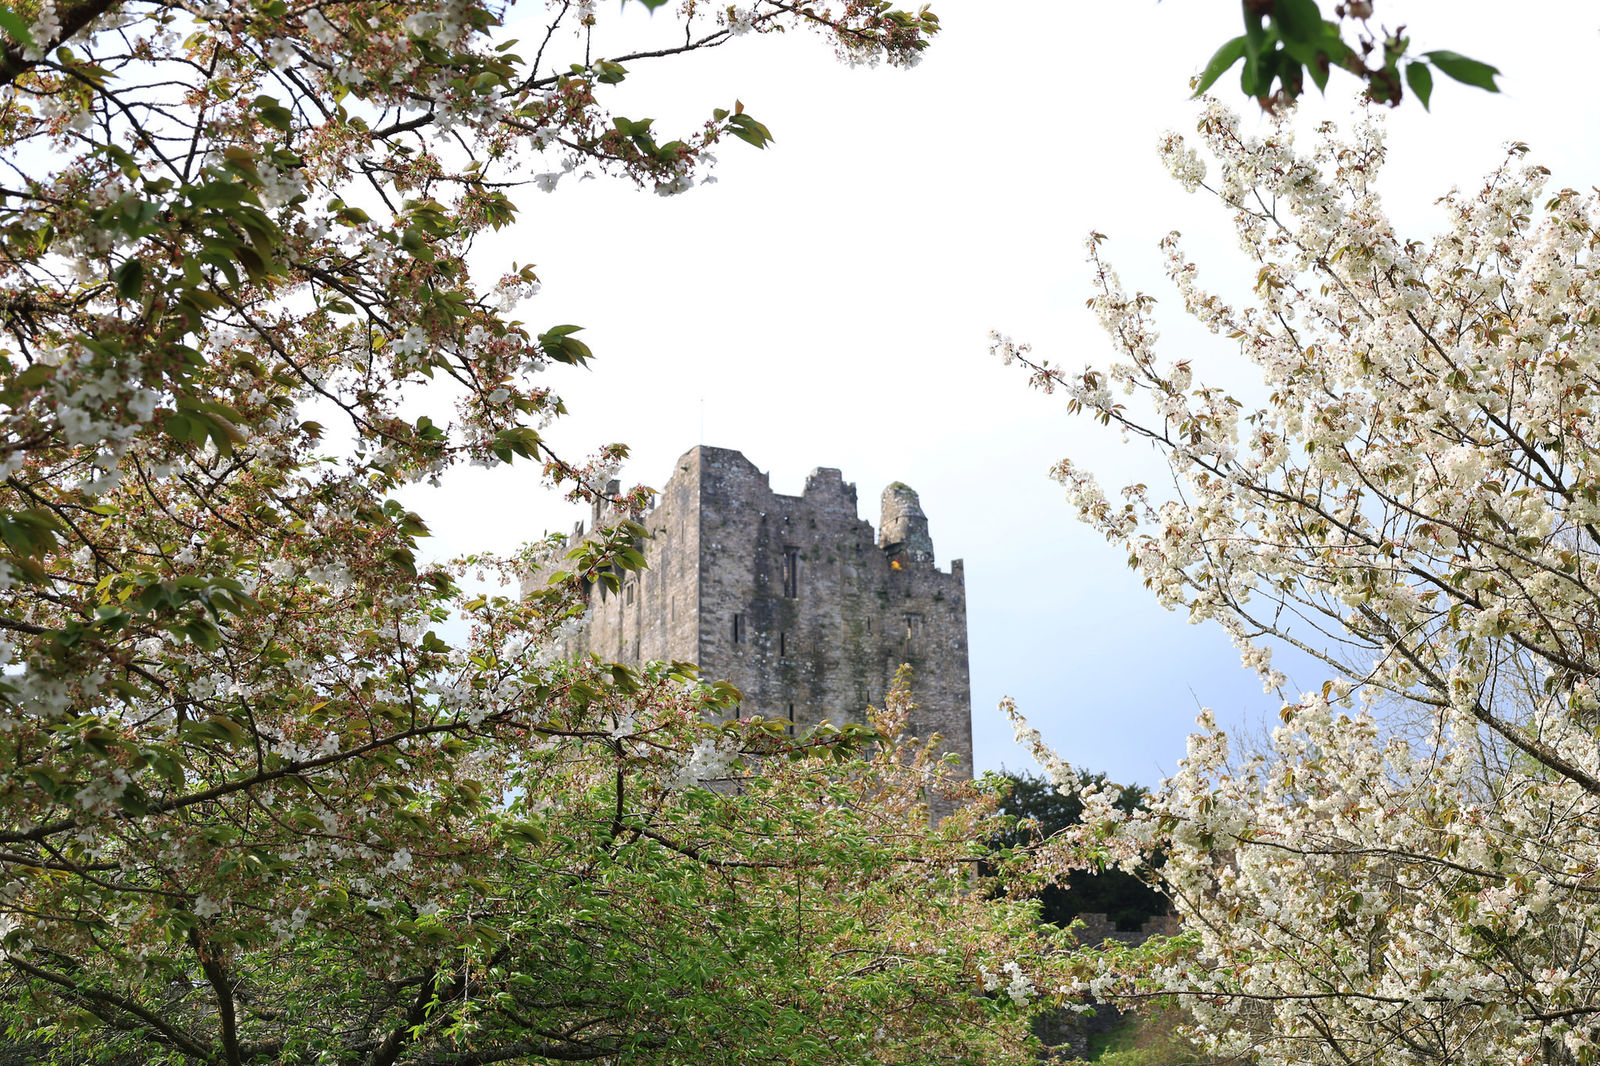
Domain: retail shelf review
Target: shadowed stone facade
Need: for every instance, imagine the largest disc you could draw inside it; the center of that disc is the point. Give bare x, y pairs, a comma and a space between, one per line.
793, 599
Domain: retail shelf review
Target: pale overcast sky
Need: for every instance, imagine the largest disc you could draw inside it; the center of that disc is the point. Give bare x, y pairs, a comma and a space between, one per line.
827, 303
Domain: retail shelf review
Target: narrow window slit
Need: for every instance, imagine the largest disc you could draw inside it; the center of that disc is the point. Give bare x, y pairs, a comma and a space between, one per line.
791, 572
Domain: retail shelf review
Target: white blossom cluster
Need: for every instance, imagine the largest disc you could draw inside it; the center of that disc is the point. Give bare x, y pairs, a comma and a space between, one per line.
708, 760
1405, 872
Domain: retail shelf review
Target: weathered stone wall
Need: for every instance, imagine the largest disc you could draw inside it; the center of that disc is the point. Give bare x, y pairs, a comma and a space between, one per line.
793, 599
655, 614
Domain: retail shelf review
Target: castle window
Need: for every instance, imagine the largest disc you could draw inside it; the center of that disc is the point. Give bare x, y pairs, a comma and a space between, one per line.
791, 572
738, 629
783, 645
791, 719
630, 594
913, 633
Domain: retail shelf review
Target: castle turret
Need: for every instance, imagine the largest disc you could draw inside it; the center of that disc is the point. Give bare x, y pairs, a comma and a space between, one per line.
903, 528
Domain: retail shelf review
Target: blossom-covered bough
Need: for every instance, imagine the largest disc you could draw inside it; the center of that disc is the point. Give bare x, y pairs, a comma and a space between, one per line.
254, 807
1407, 872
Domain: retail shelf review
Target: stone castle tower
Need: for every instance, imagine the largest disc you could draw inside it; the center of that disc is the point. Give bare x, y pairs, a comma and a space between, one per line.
792, 598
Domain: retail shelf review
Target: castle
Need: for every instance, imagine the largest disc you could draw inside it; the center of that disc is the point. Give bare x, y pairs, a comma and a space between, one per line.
792, 599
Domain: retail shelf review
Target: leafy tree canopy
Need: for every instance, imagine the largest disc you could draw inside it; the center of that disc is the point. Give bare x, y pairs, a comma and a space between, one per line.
254, 805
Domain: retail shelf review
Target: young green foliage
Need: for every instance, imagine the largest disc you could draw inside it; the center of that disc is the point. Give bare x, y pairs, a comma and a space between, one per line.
259, 802
1286, 41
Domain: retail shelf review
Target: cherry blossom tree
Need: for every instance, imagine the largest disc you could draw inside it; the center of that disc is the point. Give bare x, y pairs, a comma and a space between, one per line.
1406, 871
256, 803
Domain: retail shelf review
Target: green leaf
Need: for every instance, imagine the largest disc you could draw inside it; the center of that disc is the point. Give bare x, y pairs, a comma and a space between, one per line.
18, 30
749, 130
210, 730
631, 128
1255, 34
1250, 81
1420, 78
44, 782
179, 428
1298, 20
219, 194
34, 376
558, 344
274, 114
1467, 71
609, 73
202, 632
130, 279
29, 532
1226, 56
1318, 69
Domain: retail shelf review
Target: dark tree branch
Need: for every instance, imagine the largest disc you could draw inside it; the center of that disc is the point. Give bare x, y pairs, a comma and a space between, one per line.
74, 17
164, 1031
